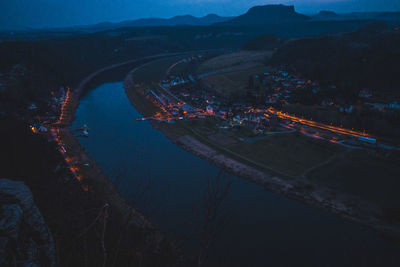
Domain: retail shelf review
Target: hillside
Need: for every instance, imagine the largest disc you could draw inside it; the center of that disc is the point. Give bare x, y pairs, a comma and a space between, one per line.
366, 58
187, 20
263, 42
389, 17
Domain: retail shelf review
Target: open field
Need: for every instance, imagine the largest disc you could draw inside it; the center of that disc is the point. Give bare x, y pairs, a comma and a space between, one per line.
233, 71
358, 173
235, 81
292, 154
234, 59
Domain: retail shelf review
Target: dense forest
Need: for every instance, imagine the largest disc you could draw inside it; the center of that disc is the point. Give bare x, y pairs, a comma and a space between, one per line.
368, 58
263, 42
30, 70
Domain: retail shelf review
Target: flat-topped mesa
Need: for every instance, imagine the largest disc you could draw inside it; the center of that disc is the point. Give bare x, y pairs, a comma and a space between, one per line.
260, 15
327, 15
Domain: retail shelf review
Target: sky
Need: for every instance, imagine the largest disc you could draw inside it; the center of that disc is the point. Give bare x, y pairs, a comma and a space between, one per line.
24, 14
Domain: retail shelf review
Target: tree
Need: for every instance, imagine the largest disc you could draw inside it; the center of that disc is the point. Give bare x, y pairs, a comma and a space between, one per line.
216, 191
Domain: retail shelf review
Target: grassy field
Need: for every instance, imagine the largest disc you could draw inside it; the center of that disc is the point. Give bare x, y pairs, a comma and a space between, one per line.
235, 71
235, 81
370, 177
358, 173
174, 130
234, 59
292, 154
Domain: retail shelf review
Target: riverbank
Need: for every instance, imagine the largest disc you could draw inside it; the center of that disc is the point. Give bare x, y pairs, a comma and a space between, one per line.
92, 176
130, 228
340, 204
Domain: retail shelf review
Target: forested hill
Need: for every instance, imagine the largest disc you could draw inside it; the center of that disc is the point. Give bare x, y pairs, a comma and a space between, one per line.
185, 20
367, 58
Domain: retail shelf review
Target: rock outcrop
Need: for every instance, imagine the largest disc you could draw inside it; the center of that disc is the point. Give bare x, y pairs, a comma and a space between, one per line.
25, 239
261, 15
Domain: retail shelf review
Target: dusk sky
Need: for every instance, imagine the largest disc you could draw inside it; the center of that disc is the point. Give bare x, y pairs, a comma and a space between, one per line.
20, 14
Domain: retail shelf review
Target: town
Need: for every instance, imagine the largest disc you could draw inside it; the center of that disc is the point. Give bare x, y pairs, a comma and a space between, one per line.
185, 98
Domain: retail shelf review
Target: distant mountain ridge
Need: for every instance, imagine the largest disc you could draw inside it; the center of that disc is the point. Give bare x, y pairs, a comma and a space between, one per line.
188, 20
267, 14
376, 16
255, 16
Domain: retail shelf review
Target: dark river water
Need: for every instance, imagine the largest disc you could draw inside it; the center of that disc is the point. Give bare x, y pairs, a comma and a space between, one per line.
252, 227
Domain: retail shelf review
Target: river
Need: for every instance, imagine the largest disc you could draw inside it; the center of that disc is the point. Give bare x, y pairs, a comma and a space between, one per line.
251, 226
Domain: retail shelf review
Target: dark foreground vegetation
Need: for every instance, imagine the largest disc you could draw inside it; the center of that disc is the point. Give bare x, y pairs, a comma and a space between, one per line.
85, 234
